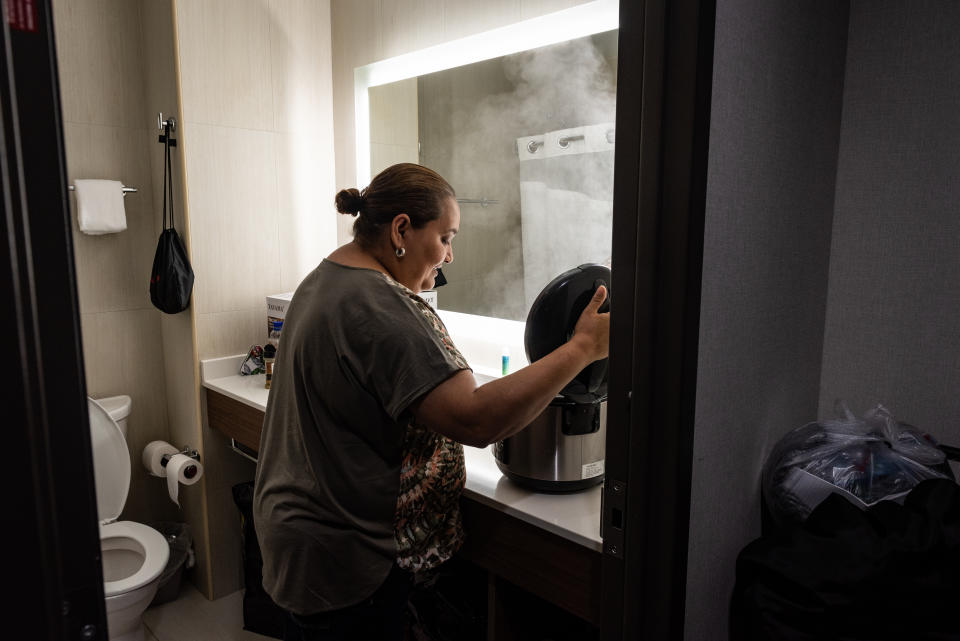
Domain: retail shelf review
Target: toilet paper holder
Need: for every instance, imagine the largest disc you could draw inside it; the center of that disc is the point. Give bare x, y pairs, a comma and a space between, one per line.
187, 451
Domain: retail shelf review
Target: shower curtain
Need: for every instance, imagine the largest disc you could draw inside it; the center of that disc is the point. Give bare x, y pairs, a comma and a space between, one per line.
566, 202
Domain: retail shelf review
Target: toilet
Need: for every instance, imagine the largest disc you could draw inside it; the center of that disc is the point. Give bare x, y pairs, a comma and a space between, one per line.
133, 555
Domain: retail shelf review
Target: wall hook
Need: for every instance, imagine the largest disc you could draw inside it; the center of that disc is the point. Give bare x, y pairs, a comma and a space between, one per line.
168, 126
162, 124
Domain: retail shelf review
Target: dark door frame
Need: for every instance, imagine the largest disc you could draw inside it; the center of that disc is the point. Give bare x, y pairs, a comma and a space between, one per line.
664, 77
53, 512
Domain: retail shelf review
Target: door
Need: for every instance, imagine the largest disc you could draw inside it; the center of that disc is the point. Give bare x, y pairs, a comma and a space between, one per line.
663, 109
53, 510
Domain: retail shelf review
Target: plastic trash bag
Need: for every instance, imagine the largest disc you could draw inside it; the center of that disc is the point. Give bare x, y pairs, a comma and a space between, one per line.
867, 460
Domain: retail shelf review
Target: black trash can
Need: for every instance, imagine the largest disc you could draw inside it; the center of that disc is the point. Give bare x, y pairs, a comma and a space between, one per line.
181, 557
260, 613
885, 573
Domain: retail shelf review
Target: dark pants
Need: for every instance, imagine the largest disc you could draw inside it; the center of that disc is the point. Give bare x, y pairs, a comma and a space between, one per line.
381, 617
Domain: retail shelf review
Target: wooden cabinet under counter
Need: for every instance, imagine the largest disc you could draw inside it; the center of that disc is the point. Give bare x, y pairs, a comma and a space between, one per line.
545, 544
240, 422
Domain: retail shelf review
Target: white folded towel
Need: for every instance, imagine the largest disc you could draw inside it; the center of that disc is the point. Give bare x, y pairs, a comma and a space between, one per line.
100, 206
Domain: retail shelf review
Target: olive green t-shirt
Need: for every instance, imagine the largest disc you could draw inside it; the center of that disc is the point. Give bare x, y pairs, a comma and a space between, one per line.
355, 352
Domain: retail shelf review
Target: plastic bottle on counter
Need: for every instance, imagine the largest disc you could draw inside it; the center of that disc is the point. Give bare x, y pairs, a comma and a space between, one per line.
269, 356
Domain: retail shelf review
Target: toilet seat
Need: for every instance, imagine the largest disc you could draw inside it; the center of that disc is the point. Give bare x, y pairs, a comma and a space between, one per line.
156, 552
111, 463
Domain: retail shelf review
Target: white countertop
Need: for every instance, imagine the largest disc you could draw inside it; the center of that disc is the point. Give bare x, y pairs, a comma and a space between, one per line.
574, 516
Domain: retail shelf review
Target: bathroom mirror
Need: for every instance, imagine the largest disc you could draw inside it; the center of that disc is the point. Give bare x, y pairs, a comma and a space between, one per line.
527, 140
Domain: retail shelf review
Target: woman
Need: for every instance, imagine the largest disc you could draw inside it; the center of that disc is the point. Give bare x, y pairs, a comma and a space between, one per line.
360, 461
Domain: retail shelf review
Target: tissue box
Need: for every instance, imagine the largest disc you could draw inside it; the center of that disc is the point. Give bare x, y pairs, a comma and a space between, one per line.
276, 311
430, 297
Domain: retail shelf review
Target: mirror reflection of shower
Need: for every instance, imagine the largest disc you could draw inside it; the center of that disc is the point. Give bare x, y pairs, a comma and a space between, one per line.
566, 202
527, 141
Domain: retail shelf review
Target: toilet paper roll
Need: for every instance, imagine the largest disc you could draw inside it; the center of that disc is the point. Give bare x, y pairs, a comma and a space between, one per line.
181, 470
153, 455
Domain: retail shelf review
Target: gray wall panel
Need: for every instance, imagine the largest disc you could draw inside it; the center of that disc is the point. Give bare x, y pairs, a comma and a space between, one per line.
778, 83
894, 298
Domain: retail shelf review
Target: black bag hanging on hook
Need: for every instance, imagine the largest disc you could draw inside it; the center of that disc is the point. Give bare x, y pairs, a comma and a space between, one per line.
171, 280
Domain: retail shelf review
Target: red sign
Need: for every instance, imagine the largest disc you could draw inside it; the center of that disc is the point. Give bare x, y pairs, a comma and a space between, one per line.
21, 14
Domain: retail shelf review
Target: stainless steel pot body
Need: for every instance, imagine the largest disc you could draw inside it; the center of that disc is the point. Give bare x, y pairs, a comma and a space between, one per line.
562, 450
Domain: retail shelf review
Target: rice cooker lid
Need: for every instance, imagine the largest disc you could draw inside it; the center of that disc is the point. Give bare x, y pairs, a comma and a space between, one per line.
111, 463
554, 315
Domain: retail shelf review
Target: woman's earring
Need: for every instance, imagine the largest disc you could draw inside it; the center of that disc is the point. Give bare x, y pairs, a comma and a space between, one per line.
400, 252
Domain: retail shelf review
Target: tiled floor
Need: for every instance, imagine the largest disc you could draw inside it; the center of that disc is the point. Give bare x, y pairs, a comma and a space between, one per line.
191, 617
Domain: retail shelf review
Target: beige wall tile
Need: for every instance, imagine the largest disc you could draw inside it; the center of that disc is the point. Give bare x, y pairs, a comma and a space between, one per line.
100, 62
113, 270
300, 56
181, 373
382, 156
193, 512
533, 8
163, 96
180, 378
357, 29
232, 183
159, 61
157, 163
306, 216
225, 62
226, 557
393, 113
408, 26
462, 19
182, 386
356, 41
228, 333
345, 229
123, 355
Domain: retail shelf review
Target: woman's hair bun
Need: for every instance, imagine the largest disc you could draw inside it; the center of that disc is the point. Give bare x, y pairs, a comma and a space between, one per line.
349, 201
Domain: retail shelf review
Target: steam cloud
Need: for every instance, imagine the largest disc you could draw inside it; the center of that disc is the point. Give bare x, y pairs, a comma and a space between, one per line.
470, 120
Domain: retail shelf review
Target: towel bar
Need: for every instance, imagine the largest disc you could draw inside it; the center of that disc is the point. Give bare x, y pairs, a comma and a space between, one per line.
126, 190
483, 202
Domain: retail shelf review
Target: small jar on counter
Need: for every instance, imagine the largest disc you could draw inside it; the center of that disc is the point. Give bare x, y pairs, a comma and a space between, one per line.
269, 356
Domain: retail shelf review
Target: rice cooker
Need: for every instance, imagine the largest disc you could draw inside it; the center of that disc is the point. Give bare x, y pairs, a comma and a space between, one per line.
563, 449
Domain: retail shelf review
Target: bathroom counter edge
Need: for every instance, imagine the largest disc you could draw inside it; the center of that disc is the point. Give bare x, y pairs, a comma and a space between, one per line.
573, 516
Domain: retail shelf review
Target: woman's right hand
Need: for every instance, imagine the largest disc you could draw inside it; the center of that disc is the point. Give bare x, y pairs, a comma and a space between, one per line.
592, 331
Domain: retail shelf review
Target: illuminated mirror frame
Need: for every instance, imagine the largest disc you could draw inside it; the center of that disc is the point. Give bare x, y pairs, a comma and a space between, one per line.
576, 22
553, 28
